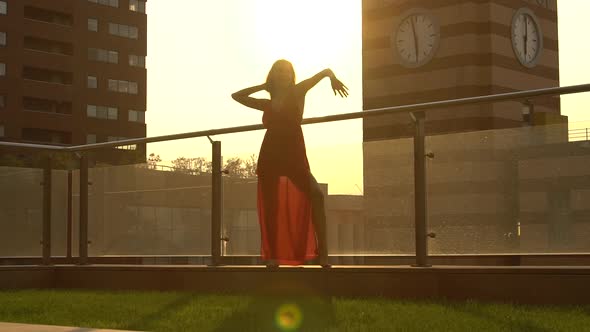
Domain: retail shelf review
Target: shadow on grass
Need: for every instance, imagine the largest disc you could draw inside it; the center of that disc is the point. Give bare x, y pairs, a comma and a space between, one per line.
282, 313
166, 311
509, 325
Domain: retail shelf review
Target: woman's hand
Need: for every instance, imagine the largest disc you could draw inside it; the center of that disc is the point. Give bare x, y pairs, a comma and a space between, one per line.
339, 87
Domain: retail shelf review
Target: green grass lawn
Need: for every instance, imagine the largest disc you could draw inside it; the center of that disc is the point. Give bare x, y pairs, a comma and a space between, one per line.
155, 311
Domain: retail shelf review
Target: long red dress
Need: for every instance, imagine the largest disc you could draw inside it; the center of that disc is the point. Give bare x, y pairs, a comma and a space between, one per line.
284, 206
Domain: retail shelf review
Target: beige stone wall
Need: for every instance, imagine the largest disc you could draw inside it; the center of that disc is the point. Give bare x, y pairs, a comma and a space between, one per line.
502, 191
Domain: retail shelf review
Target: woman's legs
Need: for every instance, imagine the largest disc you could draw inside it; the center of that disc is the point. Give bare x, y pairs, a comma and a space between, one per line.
318, 211
267, 195
318, 214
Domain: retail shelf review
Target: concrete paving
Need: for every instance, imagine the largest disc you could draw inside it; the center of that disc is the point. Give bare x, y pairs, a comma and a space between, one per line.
12, 327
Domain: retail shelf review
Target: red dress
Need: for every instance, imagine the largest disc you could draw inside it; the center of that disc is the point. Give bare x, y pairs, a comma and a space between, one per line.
284, 206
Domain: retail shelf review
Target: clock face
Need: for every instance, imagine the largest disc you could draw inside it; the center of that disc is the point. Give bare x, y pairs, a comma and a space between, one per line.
527, 38
416, 39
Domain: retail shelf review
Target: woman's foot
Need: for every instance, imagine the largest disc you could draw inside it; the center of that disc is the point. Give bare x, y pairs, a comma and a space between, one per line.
271, 264
321, 261
325, 262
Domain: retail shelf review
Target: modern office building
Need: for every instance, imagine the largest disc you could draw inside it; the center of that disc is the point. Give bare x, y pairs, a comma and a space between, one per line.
72, 71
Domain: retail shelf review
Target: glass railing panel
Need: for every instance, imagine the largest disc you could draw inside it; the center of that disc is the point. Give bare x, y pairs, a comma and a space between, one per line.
369, 209
59, 212
156, 208
389, 196
21, 211
517, 191
240, 227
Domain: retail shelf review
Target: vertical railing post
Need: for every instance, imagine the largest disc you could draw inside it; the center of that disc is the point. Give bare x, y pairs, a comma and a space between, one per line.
46, 242
83, 237
69, 216
420, 189
216, 203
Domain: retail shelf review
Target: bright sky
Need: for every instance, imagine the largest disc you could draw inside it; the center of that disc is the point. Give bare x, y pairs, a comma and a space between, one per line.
199, 52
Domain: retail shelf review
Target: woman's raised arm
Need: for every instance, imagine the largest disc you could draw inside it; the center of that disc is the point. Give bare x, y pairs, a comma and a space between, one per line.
243, 97
337, 86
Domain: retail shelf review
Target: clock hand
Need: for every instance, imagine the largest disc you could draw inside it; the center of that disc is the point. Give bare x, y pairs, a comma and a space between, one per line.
526, 32
415, 39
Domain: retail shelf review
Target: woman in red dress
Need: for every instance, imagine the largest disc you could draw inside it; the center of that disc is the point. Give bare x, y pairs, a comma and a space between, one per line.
290, 203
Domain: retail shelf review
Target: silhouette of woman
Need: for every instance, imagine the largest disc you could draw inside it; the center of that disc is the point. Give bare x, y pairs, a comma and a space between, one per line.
291, 208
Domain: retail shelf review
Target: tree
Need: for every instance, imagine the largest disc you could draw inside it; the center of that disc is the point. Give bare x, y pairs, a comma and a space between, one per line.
239, 168
233, 167
153, 160
250, 166
197, 165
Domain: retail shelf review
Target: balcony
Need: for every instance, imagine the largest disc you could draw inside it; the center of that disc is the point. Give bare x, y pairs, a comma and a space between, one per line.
47, 76
46, 136
48, 16
31, 104
48, 46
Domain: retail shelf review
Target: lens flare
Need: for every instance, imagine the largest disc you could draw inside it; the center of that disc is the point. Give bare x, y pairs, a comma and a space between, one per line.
289, 317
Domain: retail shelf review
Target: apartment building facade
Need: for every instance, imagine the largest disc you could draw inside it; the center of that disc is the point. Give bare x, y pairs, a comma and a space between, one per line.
72, 71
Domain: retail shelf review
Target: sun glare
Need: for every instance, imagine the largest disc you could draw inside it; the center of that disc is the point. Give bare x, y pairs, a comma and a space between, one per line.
310, 33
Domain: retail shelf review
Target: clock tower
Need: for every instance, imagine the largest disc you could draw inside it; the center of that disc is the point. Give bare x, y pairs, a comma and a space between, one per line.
417, 51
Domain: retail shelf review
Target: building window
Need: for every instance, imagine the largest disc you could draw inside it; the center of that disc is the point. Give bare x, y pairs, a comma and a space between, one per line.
113, 57
2, 38
3, 9
100, 55
112, 3
1, 130
136, 116
2, 69
123, 30
90, 138
113, 113
133, 33
92, 82
93, 24
137, 6
133, 88
91, 111
132, 116
113, 29
102, 112
123, 86
113, 85
137, 61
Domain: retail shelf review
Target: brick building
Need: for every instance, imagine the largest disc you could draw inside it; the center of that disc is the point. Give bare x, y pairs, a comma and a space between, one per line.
72, 71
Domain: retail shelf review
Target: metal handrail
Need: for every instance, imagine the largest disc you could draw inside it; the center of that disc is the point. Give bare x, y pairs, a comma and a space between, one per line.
432, 106
416, 111
580, 133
